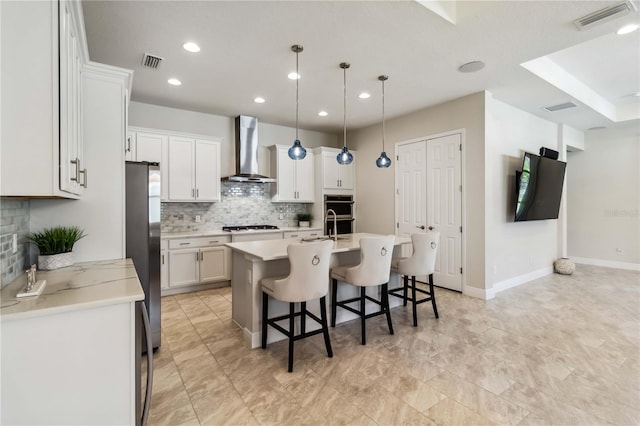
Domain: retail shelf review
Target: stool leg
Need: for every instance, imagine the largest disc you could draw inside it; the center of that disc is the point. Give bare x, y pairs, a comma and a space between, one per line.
413, 295
265, 318
325, 326
385, 302
433, 295
291, 335
362, 315
334, 301
303, 316
406, 289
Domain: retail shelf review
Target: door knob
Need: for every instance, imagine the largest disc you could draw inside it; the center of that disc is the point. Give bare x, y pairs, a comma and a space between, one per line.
421, 226
430, 228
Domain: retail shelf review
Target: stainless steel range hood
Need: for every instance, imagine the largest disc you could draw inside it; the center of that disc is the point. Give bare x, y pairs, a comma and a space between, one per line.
247, 152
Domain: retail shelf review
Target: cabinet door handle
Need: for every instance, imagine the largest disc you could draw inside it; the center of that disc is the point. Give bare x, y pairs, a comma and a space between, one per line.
128, 149
162, 259
202, 256
197, 193
193, 193
185, 244
294, 236
84, 174
197, 257
212, 242
76, 162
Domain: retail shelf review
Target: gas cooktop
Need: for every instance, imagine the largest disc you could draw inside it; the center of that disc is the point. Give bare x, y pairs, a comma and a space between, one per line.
248, 228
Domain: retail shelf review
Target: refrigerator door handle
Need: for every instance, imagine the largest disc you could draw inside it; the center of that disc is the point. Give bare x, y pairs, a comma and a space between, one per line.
147, 397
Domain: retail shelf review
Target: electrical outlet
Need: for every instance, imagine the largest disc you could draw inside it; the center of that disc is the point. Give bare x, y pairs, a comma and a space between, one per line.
14, 243
281, 216
619, 251
198, 218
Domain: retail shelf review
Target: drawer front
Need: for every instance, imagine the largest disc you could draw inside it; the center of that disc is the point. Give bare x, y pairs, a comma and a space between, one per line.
302, 234
250, 236
199, 242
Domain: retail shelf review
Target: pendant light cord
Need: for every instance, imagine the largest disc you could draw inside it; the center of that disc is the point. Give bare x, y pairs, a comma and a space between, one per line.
383, 130
345, 106
297, 82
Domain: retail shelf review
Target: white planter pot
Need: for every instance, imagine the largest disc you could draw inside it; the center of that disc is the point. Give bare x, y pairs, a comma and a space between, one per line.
304, 223
55, 261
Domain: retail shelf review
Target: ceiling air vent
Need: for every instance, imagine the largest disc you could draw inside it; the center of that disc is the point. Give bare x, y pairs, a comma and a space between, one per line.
151, 61
608, 13
554, 108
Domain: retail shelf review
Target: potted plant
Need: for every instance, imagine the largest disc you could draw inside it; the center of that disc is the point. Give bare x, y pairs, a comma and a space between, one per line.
56, 246
304, 219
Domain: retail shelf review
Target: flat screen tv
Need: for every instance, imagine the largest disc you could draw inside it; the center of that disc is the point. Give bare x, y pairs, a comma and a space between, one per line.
539, 188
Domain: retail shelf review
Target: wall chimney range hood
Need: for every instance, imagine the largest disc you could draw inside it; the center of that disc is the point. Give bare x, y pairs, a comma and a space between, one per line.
247, 152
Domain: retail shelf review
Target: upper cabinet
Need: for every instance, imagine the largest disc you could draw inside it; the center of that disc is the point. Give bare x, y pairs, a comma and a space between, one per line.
334, 175
294, 178
145, 145
42, 130
193, 169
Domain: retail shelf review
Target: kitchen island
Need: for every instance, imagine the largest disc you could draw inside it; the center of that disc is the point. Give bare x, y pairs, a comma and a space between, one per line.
254, 260
69, 355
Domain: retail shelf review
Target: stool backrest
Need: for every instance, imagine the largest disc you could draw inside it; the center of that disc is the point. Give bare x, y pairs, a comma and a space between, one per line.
375, 262
309, 274
423, 259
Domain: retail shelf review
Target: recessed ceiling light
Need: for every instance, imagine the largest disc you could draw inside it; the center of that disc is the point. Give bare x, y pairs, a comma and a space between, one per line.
293, 76
259, 100
597, 128
471, 66
627, 29
174, 82
637, 95
323, 113
364, 95
191, 47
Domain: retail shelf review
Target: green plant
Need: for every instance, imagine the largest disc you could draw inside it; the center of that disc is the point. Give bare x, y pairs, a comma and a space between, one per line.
56, 240
304, 217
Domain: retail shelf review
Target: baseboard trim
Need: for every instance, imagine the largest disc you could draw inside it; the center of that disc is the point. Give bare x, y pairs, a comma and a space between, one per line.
478, 293
521, 279
607, 263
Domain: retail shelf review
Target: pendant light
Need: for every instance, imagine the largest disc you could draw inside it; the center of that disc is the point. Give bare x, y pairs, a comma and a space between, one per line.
345, 157
297, 151
383, 161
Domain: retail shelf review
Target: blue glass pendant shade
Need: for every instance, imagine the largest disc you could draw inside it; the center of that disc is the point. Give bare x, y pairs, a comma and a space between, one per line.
297, 151
383, 161
344, 157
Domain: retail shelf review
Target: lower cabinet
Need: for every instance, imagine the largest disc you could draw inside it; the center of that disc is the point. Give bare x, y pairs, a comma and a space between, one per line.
193, 261
303, 234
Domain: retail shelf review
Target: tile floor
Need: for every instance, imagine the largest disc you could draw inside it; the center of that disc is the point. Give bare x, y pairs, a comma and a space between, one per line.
559, 350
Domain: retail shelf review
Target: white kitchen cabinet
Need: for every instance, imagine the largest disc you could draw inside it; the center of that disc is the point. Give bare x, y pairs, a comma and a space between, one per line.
143, 145
184, 267
42, 144
295, 178
164, 269
194, 169
334, 175
198, 261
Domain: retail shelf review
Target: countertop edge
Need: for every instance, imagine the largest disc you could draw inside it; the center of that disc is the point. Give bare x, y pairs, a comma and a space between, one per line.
219, 232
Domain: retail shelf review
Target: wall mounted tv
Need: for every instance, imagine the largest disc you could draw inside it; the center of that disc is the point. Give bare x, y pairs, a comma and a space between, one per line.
539, 188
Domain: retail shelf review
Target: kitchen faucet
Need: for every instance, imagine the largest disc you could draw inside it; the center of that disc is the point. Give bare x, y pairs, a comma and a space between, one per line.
335, 224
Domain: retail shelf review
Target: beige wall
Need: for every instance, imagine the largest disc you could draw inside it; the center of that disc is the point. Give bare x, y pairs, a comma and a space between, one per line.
514, 249
604, 196
178, 120
376, 187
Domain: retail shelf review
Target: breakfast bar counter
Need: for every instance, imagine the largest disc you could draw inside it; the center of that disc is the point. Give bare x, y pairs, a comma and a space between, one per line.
254, 260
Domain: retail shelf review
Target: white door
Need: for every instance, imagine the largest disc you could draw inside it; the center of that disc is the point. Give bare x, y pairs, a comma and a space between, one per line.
207, 177
214, 264
181, 170
444, 207
412, 190
184, 267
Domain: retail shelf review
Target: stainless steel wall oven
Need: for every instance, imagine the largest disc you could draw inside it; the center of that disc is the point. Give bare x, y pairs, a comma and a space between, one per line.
342, 205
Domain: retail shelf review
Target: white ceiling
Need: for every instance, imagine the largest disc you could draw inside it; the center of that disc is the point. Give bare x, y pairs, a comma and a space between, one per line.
246, 53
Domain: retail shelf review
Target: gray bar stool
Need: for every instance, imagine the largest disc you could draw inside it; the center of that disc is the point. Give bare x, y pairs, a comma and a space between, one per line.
421, 262
308, 280
373, 270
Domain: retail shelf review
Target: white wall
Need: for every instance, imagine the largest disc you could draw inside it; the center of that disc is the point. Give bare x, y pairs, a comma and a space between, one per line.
375, 187
604, 200
514, 250
178, 120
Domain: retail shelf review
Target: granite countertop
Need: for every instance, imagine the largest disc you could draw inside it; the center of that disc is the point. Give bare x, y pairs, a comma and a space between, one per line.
81, 286
218, 232
277, 249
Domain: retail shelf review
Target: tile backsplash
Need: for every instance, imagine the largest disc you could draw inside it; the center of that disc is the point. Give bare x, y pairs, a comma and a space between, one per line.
14, 219
241, 204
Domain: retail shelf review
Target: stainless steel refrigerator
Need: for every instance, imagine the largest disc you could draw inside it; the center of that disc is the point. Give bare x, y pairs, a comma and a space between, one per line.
143, 236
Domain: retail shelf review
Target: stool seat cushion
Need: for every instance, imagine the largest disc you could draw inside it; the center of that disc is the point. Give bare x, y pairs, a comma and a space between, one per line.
423, 259
269, 284
340, 272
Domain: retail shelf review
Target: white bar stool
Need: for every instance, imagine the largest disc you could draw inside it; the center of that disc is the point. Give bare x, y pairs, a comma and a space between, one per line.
421, 262
307, 280
374, 270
